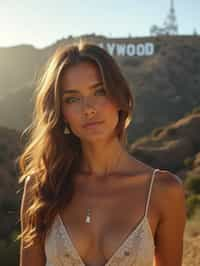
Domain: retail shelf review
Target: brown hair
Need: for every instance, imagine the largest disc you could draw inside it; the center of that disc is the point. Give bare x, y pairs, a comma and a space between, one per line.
51, 158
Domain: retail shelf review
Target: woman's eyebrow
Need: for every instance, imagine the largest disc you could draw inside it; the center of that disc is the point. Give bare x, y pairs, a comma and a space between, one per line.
93, 86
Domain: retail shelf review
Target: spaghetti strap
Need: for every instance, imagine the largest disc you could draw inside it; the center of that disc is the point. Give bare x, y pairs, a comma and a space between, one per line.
150, 188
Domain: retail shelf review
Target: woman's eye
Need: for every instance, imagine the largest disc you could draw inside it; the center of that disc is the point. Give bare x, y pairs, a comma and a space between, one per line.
101, 91
74, 99
70, 99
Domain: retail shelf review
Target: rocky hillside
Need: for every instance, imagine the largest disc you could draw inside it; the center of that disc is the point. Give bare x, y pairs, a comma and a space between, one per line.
191, 251
172, 146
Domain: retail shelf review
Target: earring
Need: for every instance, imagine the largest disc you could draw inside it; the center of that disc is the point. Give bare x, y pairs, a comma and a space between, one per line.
66, 130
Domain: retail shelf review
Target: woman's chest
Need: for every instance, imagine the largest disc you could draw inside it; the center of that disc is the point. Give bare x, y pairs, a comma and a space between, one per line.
114, 215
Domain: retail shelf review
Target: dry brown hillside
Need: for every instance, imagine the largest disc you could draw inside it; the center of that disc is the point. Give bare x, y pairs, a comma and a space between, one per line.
171, 146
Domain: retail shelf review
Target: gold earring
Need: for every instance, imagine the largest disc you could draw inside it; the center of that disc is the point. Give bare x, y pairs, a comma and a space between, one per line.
66, 130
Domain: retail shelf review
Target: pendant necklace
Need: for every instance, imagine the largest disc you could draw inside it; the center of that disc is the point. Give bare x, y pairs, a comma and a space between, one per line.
88, 216
88, 213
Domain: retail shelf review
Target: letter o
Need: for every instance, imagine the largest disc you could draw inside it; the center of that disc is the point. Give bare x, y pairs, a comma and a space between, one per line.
130, 49
140, 50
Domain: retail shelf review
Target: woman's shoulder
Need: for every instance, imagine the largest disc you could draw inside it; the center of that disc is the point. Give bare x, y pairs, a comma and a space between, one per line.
168, 181
170, 191
164, 179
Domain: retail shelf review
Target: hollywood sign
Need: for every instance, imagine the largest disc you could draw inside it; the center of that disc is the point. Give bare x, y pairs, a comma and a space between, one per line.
140, 49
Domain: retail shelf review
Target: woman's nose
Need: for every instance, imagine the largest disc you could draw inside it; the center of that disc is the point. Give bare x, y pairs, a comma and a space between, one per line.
88, 105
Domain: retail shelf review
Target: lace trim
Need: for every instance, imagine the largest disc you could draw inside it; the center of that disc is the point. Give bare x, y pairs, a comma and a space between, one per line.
70, 255
126, 253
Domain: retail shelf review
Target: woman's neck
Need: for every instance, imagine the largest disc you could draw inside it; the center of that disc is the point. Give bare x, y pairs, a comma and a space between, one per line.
102, 159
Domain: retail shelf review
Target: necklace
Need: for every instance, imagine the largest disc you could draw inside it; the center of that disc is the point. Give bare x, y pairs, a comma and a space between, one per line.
88, 212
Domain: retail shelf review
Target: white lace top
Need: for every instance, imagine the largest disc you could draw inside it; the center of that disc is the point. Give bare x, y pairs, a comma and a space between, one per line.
136, 250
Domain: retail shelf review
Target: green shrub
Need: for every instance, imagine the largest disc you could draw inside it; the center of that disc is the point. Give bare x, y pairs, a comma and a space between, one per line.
3, 148
196, 110
192, 204
9, 253
157, 131
192, 183
188, 162
171, 131
8, 205
13, 172
2, 158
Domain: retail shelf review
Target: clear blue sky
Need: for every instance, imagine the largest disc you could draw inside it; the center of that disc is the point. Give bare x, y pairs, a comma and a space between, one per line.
41, 23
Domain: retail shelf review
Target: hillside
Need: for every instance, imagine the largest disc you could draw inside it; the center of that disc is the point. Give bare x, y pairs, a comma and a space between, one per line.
10, 147
172, 145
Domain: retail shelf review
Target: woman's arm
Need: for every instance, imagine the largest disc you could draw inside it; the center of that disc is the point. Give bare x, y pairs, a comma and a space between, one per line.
33, 255
170, 231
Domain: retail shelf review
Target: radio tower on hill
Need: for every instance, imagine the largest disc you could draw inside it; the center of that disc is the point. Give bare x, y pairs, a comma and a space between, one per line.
170, 23
170, 26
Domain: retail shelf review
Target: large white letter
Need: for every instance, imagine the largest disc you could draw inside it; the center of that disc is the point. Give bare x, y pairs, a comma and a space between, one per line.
130, 50
121, 49
140, 49
111, 47
149, 48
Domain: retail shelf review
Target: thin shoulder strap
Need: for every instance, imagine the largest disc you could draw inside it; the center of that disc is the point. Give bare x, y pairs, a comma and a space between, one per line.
150, 188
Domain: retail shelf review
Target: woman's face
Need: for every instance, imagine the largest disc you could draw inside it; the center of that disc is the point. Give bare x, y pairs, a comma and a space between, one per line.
85, 100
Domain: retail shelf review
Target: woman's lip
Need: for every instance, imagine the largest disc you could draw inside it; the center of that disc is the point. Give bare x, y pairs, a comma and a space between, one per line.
92, 124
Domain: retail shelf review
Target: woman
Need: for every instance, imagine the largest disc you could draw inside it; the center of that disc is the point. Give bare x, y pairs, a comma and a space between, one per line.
86, 200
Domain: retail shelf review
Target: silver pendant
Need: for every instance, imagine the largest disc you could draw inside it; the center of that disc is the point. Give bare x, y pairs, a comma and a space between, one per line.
88, 217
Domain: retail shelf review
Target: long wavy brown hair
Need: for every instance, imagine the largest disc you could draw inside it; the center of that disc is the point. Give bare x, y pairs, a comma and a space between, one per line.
50, 157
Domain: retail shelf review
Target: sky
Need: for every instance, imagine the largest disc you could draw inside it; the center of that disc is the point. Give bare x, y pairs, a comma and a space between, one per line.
41, 23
